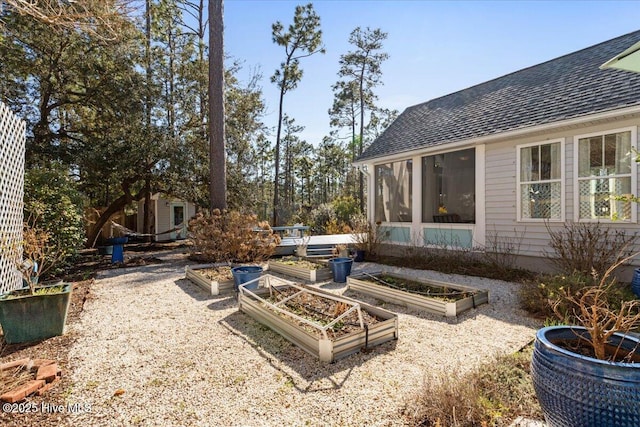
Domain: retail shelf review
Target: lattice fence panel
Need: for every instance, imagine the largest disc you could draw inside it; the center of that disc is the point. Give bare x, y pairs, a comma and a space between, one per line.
12, 146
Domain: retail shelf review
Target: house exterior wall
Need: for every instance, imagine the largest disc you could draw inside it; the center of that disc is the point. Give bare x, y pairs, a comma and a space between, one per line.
163, 220
496, 195
501, 189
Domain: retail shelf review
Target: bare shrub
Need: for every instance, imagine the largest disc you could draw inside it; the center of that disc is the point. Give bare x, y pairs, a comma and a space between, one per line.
40, 253
587, 247
368, 237
503, 251
231, 236
495, 394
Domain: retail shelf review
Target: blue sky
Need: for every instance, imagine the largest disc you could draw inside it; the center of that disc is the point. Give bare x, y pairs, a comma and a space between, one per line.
435, 47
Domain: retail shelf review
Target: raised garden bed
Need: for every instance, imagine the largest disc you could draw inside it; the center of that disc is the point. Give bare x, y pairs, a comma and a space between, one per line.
214, 278
325, 325
301, 268
448, 299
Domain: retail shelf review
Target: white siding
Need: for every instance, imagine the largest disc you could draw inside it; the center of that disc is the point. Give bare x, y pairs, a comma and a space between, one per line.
501, 182
163, 220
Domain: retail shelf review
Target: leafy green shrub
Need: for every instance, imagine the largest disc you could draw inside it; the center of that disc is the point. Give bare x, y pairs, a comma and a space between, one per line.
345, 208
320, 217
231, 236
53, 204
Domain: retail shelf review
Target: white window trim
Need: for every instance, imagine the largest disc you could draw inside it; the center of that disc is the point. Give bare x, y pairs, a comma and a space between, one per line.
634, 179
561, 180
374, 178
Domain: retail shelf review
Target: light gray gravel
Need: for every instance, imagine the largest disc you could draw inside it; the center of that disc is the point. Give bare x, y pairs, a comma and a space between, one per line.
181, 357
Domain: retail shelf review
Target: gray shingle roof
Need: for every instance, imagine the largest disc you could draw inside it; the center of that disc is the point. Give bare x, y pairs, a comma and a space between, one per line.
566, 87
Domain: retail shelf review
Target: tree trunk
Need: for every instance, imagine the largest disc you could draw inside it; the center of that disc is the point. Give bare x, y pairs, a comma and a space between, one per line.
276, 193
360, 177
146, 226
217, 165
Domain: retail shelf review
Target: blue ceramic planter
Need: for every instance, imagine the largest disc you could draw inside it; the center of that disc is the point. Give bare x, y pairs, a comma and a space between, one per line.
635, 282
579, 391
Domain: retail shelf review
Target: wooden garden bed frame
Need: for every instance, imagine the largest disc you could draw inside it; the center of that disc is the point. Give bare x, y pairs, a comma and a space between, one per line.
322, 273
364, 283
321, 345
213, 286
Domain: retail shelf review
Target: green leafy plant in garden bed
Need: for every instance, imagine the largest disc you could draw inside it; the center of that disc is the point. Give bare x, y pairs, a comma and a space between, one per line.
439, 292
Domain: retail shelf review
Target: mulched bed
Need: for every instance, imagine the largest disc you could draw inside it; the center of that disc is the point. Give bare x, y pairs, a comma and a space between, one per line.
300, 262
56, 348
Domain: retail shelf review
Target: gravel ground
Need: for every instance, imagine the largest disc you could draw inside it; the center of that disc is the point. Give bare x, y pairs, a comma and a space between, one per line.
154, 349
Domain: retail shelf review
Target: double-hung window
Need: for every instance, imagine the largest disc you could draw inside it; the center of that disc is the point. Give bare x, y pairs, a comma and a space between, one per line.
604, 172
540, 181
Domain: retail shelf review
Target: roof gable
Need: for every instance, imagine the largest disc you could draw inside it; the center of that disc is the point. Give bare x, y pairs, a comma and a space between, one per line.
567, 87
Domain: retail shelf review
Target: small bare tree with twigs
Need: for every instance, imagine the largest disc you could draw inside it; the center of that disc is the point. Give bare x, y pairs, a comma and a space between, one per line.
39, 253
593, 311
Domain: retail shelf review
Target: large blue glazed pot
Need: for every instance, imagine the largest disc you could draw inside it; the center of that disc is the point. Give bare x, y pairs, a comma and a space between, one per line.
580, 391
635, 282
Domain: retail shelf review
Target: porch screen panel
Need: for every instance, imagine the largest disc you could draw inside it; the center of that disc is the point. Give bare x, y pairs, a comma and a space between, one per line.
449, 187
393, 197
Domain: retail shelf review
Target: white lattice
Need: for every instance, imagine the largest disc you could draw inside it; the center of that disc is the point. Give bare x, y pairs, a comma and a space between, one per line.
541, 200
12, 145
597, 198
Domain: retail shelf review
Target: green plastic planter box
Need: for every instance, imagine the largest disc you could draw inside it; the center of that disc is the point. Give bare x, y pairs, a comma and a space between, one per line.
27, 318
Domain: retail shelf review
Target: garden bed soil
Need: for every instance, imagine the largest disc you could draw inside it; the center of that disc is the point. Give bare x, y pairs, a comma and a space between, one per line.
613, 353
448, 299
323, 324
214, 278
323, 311
301, 268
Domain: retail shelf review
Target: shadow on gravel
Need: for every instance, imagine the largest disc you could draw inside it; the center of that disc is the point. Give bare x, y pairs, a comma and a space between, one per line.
223, 301
307, 373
